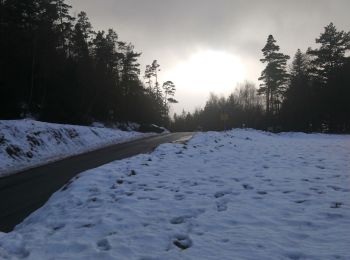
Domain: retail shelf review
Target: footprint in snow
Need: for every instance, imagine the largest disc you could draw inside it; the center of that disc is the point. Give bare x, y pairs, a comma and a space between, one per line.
132, 173
247, 187
336, 176
336, 188
295, 256
88, 225
221, 206
333, 216
179, 197
287, 191
146, 198
336, 205
103, 244
58, 226
177, 220
300, 201
220, 194
182, 241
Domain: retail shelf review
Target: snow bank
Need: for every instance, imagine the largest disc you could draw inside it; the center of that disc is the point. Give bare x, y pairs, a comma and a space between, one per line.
233, 195
28, 143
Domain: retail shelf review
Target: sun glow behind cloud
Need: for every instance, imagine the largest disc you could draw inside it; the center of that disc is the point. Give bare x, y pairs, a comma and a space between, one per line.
208, 71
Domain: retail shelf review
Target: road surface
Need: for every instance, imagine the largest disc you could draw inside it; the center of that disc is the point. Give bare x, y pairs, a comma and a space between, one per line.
23, 193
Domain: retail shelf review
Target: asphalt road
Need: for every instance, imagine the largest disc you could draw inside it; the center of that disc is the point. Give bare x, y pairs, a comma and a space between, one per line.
23, 193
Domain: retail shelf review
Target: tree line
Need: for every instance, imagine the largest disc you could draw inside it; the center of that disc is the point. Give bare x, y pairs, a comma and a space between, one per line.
56, 68
312, 94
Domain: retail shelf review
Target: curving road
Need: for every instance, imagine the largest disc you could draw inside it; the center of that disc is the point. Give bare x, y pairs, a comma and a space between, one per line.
23, 193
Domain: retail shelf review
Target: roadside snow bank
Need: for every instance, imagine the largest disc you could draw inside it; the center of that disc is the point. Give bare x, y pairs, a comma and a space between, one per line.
234, 195
28, 143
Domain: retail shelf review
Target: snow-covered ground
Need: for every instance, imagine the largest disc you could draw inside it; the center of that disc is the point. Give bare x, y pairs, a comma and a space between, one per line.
28, 143
242, 194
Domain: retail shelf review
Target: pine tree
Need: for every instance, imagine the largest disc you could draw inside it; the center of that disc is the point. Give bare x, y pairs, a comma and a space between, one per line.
298, 100
169, 92
329, 63
274, 76
149, 74
155, 68
131, 67
331, 54
81, 37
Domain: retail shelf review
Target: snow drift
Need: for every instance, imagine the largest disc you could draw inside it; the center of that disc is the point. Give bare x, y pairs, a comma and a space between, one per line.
28, 143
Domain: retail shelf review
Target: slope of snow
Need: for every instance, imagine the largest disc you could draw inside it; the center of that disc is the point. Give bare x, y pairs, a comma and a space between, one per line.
28, 143
241, 194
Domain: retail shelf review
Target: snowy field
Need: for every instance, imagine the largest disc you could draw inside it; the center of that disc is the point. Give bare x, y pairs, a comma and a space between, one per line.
242, 194
28, 143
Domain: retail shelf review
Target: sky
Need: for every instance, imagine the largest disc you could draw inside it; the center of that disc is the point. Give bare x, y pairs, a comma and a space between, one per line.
208, 46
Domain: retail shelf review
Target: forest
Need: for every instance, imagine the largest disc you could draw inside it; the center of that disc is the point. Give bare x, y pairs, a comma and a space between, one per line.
56, 68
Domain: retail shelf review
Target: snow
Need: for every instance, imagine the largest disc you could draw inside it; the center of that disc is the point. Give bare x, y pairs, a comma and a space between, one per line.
28, 143
241, 194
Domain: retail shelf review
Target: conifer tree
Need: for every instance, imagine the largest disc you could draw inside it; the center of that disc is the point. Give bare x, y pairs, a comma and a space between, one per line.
330, 56
169, 92
331, 77
298, 104
274, 76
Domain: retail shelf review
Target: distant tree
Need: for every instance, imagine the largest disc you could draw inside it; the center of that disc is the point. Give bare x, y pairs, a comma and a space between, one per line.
247, 95
155, 68
274, 76
163, 95
149, 74
243, 108
169, 92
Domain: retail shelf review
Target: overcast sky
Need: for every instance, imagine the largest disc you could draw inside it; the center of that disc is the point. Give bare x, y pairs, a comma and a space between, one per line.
175, 32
